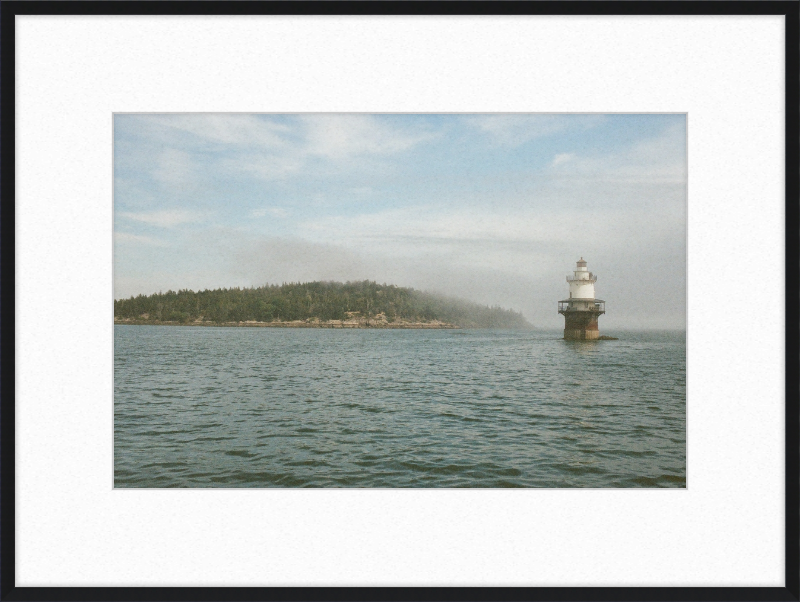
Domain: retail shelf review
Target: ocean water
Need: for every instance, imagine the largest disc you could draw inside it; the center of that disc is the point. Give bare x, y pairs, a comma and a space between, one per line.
272, 407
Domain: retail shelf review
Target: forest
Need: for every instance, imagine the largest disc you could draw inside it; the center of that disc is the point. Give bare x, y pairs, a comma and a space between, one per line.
323, 301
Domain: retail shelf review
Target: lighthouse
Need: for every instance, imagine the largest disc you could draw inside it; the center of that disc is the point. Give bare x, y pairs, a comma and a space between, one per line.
581, 310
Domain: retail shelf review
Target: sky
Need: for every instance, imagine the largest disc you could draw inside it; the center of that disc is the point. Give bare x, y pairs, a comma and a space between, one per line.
493, 208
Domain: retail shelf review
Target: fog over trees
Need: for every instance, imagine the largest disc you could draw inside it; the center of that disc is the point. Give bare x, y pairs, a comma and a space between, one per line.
314, 300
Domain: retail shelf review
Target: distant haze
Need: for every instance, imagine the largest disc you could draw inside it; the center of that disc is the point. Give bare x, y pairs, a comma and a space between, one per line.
491, 208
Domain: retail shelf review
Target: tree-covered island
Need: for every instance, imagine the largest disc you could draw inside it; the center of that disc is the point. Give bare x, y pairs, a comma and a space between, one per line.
363, 304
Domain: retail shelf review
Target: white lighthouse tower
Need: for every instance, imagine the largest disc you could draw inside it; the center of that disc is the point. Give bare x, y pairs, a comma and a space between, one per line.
582, 309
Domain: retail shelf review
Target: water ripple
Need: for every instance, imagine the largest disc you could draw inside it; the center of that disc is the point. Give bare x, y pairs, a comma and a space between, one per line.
235, 407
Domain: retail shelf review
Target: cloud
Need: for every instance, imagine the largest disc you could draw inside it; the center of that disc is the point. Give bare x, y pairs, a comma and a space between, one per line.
136, 239
324, 144
563, 158
273, 211
185, 152
175, 168
277, 260
517, 129
164, 219
487, 233
660, 159
362, 190
227, 129
344, 136
264, 167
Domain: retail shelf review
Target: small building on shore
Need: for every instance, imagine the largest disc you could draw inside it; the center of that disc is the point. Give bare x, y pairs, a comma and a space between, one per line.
582, 309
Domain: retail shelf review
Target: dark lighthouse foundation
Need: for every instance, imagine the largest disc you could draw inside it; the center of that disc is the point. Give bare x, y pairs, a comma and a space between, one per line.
580, 318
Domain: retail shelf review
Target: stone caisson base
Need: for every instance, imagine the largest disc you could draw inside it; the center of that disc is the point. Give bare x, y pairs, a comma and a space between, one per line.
581, 326
581, 335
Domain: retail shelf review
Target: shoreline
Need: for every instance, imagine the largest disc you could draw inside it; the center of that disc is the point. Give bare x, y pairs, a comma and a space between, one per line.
379, 324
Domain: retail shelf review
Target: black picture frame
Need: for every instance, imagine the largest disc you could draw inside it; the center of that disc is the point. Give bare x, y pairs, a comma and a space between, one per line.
10, 9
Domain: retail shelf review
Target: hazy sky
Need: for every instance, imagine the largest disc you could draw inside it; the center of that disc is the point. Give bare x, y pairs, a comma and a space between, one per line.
494, 208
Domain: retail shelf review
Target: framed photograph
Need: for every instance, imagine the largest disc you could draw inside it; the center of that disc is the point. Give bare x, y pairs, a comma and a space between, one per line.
389, 300
367, 301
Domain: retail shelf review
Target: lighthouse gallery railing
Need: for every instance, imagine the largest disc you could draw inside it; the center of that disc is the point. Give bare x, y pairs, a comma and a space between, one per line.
564, 306
591, 278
